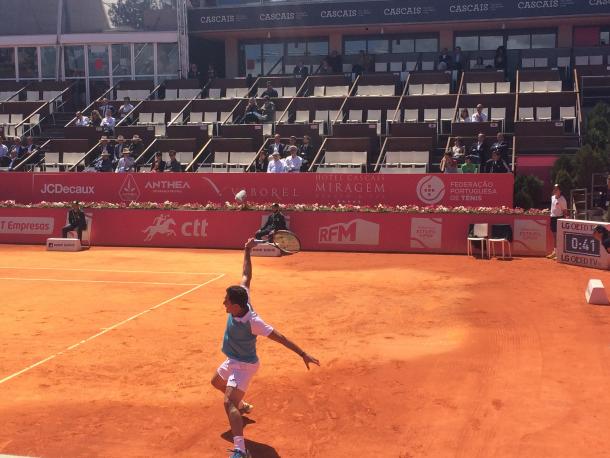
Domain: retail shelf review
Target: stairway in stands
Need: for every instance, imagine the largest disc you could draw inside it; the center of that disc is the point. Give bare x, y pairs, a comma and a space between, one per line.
53, 126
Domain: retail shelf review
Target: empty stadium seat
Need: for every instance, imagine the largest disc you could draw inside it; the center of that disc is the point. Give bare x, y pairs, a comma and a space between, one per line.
526, 113
176, 118
416, 89
214, 93
554, 86
473, 88
373, 116
318, 91
502, 87
355, 116
411, 115
145, 118
488, 88
543, 113
526, 86
541, 86
302, 116
430, 114
171, 94
337, 91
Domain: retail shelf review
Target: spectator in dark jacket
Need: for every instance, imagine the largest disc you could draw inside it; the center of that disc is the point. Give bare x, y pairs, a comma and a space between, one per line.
173, 165
500, 146
76, 221
269, 92
479, 149
104, 163
158, 165
301, 70
496, 164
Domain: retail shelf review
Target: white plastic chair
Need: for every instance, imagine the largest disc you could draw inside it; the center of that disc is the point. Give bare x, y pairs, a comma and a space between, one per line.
526, 113
480, 233
412, 115
526, 86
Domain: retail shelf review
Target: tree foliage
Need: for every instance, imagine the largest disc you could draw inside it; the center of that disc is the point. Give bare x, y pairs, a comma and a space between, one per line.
130, 13
528, 191
593, 157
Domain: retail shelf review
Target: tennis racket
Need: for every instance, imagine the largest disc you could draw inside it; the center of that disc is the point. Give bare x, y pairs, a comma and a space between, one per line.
287, 242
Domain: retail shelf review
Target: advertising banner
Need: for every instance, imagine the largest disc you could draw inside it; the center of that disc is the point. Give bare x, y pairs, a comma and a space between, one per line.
318, 231
576, 245
469, 190
384, 12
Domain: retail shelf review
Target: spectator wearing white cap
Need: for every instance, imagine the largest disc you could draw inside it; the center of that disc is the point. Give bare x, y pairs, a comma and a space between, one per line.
276, 165
126, 163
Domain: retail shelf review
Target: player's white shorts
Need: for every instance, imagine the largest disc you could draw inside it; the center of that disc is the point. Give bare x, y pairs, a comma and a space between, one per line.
237, 374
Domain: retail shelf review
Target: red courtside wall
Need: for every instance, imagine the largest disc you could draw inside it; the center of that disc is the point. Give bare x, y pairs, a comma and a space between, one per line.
473, 190
324, 231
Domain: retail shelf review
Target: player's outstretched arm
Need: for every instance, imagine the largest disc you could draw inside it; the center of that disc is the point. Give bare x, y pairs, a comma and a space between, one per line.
307, 359
247, 269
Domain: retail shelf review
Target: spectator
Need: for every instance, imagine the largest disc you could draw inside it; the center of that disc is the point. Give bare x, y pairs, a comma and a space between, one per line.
277, 146
325, 68
76, 221
448, 164
464, 115
261, 163
293, 162
559, 209
194, 73
106, 108
126, 163
267, 111
458, 150
500, 58
18, 147
335, 62
367, 62
479, 65
458, 59
96, 119
444, 60
496, 164
306, 151
479, 116
136, 148
251, 113
30, 146
3, 148
500, 146
275, 222
81, 121
104, 163
601, 234
118, 148
11, 160
173, 165
301, 70
104, 146
358, 67
211, 73
275, 164
158, 165
479, 150
108, 124
469, 166
125, 109
292, 141
269, 92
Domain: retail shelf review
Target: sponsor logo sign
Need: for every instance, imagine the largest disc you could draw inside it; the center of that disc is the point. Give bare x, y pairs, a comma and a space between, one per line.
350, 188
33, 225
426, 233
355, 232
59, 188
165, 225
430, 190
167, 186
530, 235
129, 190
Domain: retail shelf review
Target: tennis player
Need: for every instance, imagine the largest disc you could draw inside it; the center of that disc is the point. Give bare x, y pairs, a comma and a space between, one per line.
239, 345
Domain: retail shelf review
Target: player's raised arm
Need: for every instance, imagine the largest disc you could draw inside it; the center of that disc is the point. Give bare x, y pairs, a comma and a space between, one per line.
247, 269
286, 342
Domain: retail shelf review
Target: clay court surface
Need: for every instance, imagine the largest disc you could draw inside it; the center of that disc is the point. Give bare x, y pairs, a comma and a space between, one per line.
422, 356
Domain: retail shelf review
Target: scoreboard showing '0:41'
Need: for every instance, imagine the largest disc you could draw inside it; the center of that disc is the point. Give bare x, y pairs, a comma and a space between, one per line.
576, 244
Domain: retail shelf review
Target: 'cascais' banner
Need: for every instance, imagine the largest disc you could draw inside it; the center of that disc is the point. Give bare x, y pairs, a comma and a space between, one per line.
394, 11
469, 190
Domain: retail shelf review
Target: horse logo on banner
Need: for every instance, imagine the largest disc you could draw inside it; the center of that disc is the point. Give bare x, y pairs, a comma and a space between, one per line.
162, 224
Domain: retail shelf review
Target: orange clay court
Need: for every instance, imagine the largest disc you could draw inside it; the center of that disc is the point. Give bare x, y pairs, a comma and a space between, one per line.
109, 353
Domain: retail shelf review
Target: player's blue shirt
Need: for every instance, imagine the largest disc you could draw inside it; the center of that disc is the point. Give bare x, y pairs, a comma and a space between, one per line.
239, 341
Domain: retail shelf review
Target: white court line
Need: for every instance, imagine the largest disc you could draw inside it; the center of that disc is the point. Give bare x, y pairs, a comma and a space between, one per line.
71, 280
109, 270
106, 330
